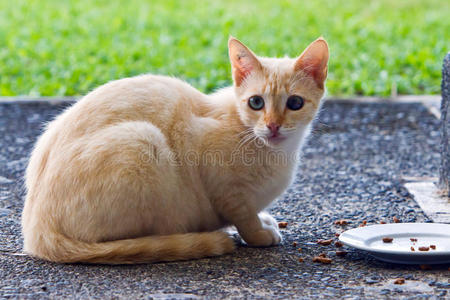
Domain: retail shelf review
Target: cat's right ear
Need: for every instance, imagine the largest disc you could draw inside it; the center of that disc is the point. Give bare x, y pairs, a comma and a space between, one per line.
243, 61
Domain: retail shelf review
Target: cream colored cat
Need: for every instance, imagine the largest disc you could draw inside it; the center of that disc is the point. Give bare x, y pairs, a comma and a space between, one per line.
147, 168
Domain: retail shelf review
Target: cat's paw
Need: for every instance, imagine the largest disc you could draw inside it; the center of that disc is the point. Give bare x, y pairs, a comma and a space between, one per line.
267, 219
268, 236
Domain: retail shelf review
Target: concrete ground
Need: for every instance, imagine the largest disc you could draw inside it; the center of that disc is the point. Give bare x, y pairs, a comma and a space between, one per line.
352, 168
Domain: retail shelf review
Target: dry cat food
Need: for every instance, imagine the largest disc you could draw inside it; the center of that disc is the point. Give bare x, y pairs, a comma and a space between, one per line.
396, 220
325, 242
341, 222
425, 267
412, 249
299, 249
282, 224
413, 240
387, 240
382, 222
322, 255
424, 248
294, 244
301, 259
433, 247
399, 281
338, 244
337, 234
341, 253
324, 260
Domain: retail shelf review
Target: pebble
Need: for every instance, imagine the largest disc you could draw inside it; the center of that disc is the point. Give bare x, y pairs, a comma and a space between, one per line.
4, 212
385, 292
4, 180
443, 284
371, 280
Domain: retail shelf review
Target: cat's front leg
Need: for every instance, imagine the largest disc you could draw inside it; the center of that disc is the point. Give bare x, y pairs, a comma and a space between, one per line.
256, 230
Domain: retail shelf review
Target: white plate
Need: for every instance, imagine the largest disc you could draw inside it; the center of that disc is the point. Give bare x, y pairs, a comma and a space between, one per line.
370, 238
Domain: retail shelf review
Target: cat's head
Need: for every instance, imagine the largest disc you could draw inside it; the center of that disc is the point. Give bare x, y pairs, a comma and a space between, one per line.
278, 97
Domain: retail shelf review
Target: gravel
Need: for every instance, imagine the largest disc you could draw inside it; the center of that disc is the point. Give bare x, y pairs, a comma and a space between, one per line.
352, 169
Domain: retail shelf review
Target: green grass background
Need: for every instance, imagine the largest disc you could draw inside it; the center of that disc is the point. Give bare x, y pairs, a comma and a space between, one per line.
61, 47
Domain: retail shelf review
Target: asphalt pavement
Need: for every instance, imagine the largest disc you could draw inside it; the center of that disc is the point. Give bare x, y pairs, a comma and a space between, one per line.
352, 169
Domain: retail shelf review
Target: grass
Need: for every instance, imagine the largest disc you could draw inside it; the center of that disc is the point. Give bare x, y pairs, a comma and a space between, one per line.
56, 48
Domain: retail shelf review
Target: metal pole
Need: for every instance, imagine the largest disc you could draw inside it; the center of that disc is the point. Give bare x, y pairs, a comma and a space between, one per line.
444, 180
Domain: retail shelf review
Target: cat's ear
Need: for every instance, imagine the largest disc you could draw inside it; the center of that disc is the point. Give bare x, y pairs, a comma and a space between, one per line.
314, 61
243, 61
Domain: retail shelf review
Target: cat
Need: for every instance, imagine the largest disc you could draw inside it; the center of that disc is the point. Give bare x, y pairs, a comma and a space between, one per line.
121, 176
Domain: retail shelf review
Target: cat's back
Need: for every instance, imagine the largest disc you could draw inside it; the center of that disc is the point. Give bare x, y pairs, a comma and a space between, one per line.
143, 89
150, 98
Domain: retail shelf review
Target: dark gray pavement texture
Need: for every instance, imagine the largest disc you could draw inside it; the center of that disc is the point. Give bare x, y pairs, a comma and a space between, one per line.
444, 179
352, 169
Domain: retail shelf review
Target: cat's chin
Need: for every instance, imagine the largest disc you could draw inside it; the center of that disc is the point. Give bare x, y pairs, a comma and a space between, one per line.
276, 141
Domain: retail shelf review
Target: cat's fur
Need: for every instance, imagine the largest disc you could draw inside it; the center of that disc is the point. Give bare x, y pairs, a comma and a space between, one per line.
120, 177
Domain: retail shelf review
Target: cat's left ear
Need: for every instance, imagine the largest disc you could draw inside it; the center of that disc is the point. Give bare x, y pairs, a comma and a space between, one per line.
243, 61
314, 61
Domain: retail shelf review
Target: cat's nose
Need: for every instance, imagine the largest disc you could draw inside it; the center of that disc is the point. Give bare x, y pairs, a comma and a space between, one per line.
273, 127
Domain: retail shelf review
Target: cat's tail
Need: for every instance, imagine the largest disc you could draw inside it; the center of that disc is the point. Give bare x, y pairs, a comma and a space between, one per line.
59, 248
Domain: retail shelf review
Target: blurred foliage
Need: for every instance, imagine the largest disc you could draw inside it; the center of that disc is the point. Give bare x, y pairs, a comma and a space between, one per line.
54, 47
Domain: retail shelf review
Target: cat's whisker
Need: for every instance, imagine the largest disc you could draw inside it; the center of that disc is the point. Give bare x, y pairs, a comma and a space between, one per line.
245, 140
244, 134
242, 140
256, 138
245, 131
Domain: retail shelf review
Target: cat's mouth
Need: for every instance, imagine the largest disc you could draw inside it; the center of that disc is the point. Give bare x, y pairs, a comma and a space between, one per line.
272, 138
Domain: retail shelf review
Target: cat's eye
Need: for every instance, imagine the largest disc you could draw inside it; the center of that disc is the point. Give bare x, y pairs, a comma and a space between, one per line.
295, 102
256, 102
